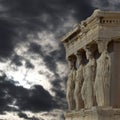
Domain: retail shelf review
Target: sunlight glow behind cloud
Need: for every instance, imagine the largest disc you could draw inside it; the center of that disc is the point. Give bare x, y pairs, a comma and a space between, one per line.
31, 52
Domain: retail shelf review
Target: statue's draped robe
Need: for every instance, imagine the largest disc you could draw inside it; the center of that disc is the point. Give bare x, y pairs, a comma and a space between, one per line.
78, 86
102, 80
70, 89
87, 88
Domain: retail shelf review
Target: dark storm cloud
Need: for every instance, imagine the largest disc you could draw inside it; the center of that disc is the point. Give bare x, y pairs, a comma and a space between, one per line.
5, 99
34, 99
53, 9
59, 93
35, 48
51, 58
107, 4
82, 8
104, 3
22, 17
26, 16
37, 7
50, 61
28, 64
59, 55
17, 60
6, 37
38, 100
23, 115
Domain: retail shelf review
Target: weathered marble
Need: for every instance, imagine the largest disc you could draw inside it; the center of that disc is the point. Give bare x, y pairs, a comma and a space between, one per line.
95, 113
101, 25
78, 83
100, 90
102, 79
71, 87
89, 77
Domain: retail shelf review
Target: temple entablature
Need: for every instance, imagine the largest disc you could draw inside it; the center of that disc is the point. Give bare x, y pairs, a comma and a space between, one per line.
101, 25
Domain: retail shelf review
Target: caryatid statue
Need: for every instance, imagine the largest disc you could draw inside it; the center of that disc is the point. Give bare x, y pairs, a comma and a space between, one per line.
102, 79
89, 77
78, 82
71, 85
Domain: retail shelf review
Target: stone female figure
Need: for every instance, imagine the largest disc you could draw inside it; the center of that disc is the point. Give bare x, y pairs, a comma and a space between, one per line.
102, 80
89, 77
78, 83
71, 87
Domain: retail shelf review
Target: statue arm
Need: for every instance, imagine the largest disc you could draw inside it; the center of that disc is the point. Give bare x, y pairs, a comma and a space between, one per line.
74, 75
106, 73
93, 70
108, 62
83, 86
81, 75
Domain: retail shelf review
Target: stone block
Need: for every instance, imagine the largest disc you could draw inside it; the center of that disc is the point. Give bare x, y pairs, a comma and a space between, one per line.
95, 113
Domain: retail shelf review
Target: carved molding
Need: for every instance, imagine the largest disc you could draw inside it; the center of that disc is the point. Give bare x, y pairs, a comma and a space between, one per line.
101, 25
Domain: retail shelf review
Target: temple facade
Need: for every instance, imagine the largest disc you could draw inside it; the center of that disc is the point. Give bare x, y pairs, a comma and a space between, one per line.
93, 56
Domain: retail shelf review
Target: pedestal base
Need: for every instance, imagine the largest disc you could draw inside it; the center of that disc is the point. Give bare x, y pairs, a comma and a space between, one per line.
95, 113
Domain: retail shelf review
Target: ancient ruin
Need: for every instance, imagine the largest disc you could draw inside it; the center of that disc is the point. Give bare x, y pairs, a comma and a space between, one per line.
93, 56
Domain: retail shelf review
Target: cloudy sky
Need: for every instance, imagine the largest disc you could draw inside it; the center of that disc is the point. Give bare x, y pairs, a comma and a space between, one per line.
33, 70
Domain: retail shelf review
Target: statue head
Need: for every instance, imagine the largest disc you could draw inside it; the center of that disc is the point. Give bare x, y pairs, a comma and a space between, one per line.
79, 59
102, 46
72, 62
89, 52
80, 56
